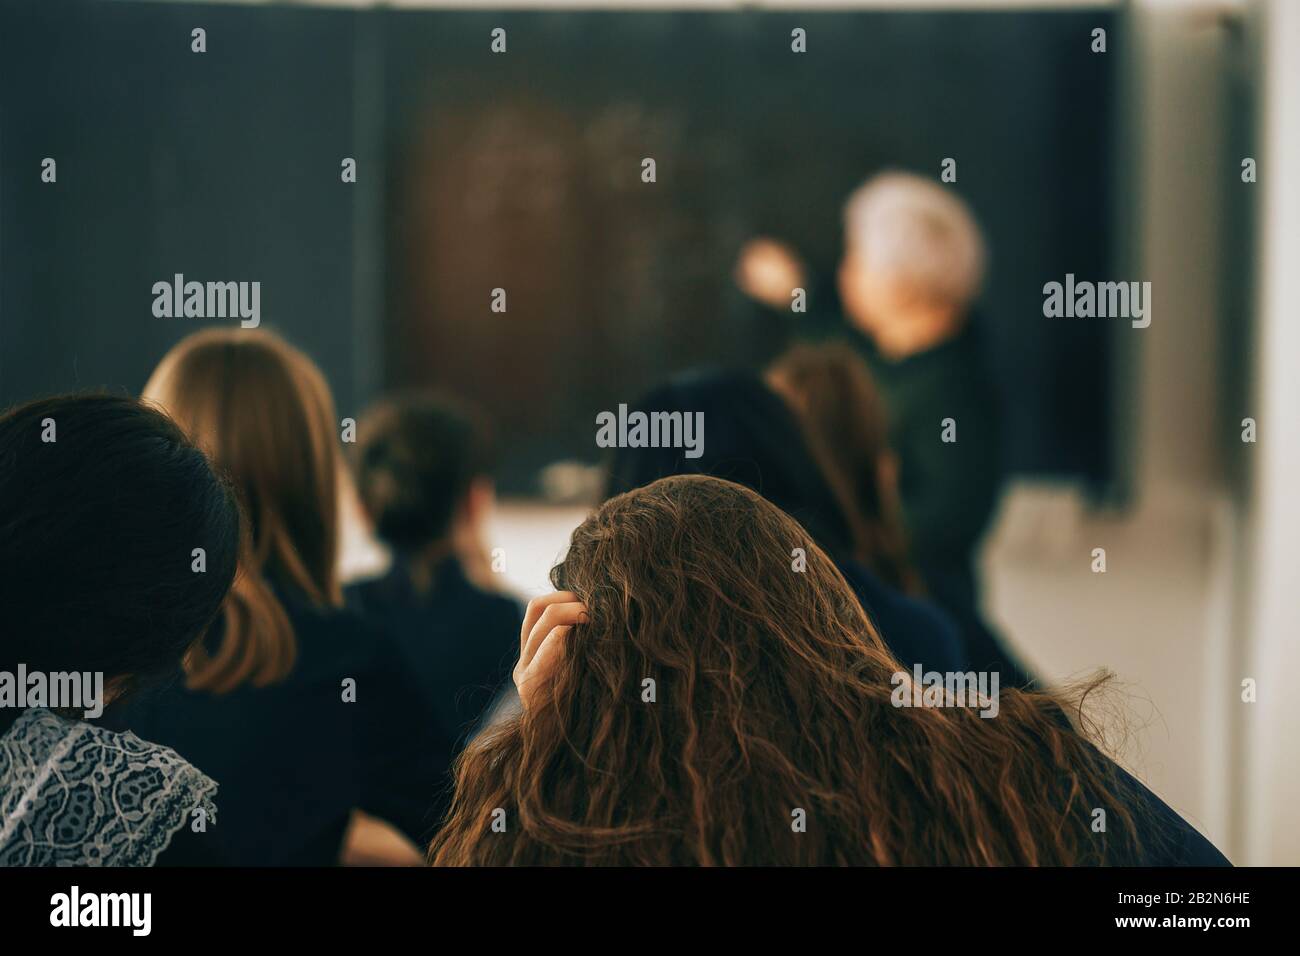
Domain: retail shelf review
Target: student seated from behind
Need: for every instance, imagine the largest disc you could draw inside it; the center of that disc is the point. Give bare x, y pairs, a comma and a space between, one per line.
303, 711
829, 389
752, 437
103, 505
687, 700
422, 467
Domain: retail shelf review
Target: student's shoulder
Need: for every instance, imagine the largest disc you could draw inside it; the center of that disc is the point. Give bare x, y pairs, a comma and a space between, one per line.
935, 630
1166, 839
916, 631
459, 597
362, 593
376, 595
500, 607
329, 634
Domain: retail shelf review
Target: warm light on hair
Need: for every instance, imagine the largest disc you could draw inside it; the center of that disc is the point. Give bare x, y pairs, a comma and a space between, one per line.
263, 412
773, 695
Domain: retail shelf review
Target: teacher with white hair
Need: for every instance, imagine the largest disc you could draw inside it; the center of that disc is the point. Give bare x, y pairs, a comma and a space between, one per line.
913, 266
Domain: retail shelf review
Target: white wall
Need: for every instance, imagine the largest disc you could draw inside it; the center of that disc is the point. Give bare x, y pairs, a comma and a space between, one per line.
1272, 727
1159, 617
1198, 594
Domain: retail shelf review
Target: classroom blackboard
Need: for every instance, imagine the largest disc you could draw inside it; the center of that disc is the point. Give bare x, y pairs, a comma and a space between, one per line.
522, 171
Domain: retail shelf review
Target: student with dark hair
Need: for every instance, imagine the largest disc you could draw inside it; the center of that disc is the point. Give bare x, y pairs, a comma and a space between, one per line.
422, 466
301, 709
118, 545
752, 438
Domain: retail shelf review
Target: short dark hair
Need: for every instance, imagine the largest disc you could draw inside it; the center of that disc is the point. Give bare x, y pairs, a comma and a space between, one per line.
416, 456
102, 502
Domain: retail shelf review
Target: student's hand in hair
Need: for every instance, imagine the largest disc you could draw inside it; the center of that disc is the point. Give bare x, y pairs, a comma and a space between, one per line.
547, 622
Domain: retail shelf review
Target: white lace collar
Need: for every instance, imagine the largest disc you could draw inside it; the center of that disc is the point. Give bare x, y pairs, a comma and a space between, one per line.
74, 794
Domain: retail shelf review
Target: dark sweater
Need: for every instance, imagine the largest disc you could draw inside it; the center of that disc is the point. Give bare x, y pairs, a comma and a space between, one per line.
915, 631
292, 760
1166, 839
949, 489
460, 642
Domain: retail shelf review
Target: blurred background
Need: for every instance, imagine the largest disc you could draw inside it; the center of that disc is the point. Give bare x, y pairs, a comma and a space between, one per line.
477, 171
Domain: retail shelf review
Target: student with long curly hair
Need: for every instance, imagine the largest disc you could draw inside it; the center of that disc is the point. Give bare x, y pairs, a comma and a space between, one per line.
690, 698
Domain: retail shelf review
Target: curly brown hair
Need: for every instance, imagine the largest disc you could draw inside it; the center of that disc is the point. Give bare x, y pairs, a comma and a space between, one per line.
772, 694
